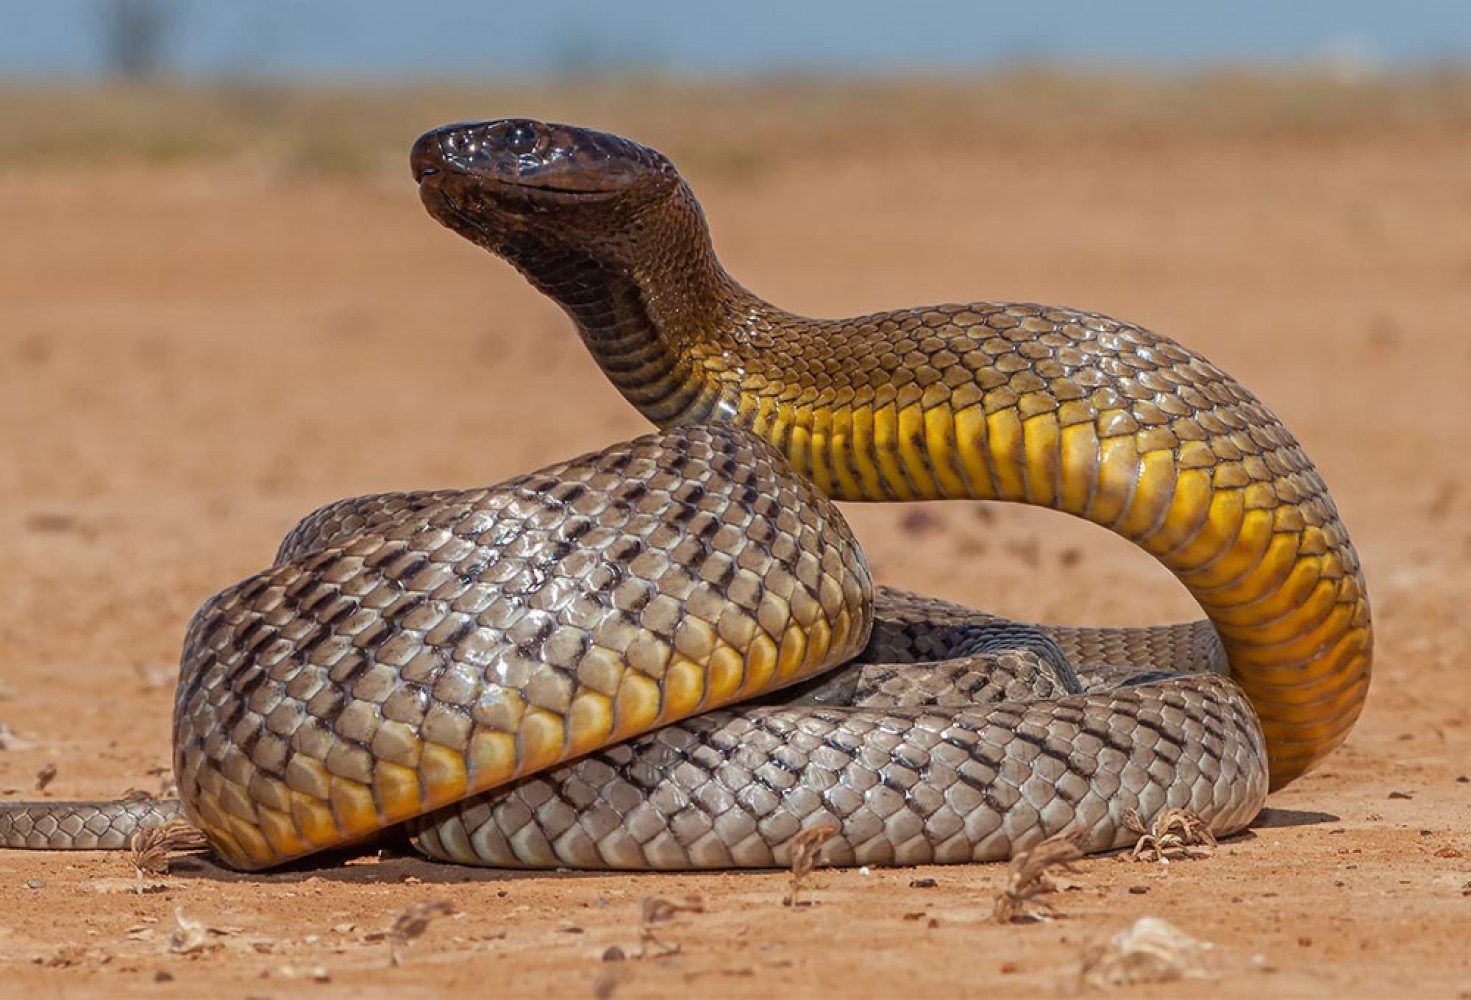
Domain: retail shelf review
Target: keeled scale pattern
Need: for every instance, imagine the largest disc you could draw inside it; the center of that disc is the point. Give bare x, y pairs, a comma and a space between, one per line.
1103, 420
910, 628
81, 826
410, 650
902, 785
989, 400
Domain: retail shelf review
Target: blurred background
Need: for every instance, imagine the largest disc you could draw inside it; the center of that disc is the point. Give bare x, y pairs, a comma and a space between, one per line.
224, 304
336, 83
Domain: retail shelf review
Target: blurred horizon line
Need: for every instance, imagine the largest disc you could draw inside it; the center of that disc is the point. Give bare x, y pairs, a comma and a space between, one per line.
353, 41
1325, 70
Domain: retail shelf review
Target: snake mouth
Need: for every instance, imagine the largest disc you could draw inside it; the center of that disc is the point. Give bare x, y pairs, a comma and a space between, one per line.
537, 189
475, 193
465, 183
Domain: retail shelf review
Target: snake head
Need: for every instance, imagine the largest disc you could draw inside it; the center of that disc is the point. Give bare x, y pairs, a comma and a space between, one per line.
508, 183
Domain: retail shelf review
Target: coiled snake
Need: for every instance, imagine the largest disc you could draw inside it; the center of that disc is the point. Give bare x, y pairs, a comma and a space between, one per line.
543, 673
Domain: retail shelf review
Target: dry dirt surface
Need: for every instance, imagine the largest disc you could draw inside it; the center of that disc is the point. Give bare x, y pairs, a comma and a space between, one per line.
198, 349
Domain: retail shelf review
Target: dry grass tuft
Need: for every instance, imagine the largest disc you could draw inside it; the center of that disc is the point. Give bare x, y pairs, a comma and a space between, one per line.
152, 845
1178, 832
1029, 879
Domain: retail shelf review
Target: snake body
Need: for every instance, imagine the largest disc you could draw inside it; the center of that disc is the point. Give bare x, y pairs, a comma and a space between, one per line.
543, 673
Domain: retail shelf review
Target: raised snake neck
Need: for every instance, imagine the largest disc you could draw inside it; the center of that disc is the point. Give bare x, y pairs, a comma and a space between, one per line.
991, 401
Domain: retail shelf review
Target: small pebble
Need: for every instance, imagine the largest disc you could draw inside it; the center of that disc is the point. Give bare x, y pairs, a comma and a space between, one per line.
35, 883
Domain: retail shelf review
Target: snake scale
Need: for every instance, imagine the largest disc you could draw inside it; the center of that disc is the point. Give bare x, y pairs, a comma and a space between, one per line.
576, 667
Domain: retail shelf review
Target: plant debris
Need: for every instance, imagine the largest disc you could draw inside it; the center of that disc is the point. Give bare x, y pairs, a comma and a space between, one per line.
67, 956
152, 845
1178, 832
45, 776
1151, 951
806, 852
192, 937
1028, 878
10, 741
316, 973
655, 910
410, 924
608, 979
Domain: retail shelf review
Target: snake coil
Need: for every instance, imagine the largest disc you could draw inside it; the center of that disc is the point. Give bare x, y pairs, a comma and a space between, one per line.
549, 672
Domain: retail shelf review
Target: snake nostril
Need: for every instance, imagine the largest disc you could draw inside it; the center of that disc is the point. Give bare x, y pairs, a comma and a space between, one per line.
424, 158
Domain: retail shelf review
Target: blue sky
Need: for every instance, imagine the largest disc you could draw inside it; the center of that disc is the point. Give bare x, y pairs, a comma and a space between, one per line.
394, 39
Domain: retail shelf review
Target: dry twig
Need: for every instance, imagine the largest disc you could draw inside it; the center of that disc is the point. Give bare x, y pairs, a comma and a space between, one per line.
806, 852
656, 910
1028, 878
1180, 832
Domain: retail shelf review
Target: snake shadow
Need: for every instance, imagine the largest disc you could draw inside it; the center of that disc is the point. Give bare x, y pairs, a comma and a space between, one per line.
1277, 819
383, 862
1271, 819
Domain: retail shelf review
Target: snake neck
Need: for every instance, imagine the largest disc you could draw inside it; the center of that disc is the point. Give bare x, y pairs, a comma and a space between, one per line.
662, 321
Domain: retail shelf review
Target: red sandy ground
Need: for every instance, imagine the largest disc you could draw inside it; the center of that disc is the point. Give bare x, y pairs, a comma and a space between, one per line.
193, 356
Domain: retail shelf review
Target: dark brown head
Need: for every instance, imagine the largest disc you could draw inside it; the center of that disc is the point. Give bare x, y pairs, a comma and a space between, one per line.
608, 230
523, 189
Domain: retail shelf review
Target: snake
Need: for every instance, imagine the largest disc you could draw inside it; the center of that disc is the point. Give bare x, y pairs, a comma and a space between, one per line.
670, 654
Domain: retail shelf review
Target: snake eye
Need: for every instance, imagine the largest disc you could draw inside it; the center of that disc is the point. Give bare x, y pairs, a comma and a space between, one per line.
521, 139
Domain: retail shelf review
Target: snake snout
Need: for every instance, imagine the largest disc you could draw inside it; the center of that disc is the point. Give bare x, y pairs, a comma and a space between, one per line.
500, 150
466, 148
424, 158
